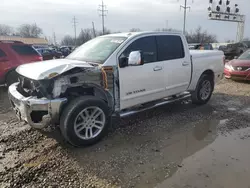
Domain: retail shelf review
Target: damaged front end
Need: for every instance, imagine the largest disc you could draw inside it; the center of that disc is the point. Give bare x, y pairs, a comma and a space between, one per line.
40, 102
33, 104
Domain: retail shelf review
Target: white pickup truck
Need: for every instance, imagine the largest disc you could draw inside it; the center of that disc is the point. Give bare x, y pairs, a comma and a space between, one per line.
117, 74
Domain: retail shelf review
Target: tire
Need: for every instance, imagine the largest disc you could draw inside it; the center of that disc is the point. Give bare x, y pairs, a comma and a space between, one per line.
11, 78
198, 96
79, 111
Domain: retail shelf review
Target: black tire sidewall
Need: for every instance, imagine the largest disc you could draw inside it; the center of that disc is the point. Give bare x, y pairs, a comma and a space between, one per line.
70, 113
196, 95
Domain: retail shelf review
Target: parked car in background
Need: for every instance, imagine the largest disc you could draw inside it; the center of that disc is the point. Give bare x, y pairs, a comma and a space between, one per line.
118, 74
65, 50
49, 53
201, 46
238, 69
247, 43
13, 54
222, 47
235, 49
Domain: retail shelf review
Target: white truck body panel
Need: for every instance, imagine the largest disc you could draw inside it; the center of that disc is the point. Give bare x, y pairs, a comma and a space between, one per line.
206, 60
174, 77
145, 83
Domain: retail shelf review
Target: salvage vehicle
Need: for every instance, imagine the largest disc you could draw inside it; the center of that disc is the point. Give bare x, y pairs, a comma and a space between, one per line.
239, 68
113, 75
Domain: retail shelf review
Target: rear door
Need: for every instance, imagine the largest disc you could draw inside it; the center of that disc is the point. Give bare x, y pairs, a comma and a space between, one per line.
25, 53
144, 83
177, 65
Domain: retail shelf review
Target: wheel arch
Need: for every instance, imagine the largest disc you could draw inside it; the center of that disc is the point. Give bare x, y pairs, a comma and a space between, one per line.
197, 76
92, 90
208, 72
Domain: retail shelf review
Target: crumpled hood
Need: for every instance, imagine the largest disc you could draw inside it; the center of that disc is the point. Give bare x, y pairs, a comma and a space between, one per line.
42, 70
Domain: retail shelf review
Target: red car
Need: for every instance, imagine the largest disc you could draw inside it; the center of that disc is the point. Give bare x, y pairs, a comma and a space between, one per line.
238, 69
13, 54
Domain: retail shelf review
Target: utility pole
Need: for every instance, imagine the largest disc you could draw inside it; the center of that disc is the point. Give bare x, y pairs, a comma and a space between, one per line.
93, 26
103, 12
74, 25
185, 7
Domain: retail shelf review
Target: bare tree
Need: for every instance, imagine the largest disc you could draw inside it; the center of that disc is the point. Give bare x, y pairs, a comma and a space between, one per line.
68, 41
200, 36
106, 32
84, 36
168, 29
29, 30
6, 30
135, 30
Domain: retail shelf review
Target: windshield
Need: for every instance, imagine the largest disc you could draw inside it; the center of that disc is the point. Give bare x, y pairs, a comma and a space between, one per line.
97, 50
245, 56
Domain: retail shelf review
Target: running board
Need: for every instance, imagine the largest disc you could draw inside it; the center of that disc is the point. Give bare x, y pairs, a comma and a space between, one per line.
160, 103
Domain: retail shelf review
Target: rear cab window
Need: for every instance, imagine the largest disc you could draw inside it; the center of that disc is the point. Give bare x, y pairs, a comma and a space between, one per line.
169, 47
24, 49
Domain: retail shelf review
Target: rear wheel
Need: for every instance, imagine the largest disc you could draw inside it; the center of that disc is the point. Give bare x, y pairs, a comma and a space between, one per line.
85, 121
204, 90
11, 78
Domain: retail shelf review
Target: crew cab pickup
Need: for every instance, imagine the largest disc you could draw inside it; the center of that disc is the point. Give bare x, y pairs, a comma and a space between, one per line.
118, 74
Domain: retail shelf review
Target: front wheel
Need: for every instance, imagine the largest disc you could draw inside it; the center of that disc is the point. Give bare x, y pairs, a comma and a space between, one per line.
204, 90
85, 121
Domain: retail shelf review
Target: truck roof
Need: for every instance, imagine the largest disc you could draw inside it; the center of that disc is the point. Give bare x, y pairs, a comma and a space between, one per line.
132, 34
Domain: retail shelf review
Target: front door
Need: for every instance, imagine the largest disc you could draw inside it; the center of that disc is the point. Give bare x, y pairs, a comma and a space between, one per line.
144, 83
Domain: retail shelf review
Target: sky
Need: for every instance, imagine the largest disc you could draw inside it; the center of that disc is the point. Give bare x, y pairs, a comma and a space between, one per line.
56, 16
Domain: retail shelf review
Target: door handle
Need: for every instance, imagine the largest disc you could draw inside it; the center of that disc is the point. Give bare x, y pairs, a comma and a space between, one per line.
185, 63
157, 68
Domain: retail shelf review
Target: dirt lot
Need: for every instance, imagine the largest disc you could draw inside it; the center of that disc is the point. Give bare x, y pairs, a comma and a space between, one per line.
179, 145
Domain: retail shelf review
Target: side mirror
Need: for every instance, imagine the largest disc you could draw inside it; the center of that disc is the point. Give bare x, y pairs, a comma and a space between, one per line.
135, 58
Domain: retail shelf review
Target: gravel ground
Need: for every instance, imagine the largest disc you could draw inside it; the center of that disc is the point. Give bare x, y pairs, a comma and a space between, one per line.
146, 150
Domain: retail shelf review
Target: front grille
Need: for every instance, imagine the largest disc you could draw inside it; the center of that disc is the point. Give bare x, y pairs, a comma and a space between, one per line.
238, 76
240, 68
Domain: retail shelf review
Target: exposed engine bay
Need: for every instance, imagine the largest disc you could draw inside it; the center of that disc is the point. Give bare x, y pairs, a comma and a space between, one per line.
79, 81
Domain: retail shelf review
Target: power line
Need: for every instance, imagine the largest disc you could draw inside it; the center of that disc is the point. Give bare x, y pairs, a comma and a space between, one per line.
103, 12
185, 7
74, 25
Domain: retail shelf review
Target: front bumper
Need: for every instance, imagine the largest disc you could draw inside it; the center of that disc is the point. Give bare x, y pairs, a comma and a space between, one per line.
39, 113
237, 75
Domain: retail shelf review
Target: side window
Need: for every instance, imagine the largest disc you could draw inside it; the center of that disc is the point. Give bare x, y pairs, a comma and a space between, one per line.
146, 45
169, 47
2, 53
